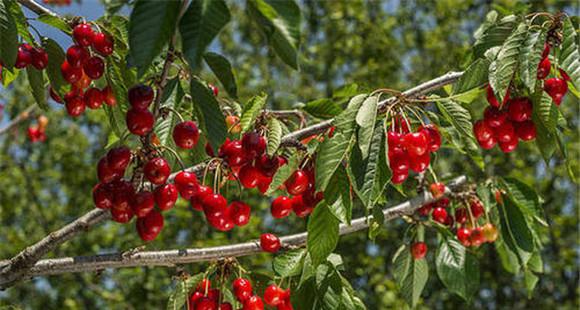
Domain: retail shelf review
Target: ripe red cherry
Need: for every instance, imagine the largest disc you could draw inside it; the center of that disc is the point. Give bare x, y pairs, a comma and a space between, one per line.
488, 144
103, 44
75, 105
267, 165
139, 122
281, 207
494, 117
143, 203
186, 183
491, 97
94, 67
520, 109
526, 130
54, 95
105, 173
157, 170
482, 131
108, 96
269, 243
419, 250
214, 89
203, 286
510, 146
249, 176
76, 55
425, 209
556, 88
463, 235
225, 306
477, 209
254, 143
197, 197
83, 34
393, 139
399, 160
416, 143
165, 196
39, 58
240, 213
150, 226
544, 68
420, 163
214, 204
233, 153
70, 73
505, 132
477, 238
141, 96
461, 215
253, 303
437, 190
399, 177
186, 134
274, 295
24, 56
546, 50
442, 203
102, 196
439, 215
121, 215
222, 222
300, 208
297, 183
433, 137
490, 232
242, 289
119, 158
93, 98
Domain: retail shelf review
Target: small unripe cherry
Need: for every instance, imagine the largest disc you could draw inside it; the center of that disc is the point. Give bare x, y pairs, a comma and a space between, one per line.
165, 196
94, 67
437, 190
157, 170
139, 122
103, 44
269, 243
419, 250
281, 207
233, 123
186, 134
141, 96
490, 232
83, 34
439, 215
93, 98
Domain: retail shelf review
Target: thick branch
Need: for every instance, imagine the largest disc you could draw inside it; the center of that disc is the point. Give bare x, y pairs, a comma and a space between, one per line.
37, 8
183, 256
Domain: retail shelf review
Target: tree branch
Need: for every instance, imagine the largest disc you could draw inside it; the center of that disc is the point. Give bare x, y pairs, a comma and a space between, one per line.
37, 8
183, 256
24, 115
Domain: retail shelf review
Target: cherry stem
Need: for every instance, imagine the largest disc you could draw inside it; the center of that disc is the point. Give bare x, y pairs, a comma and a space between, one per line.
473, 223
172, 110
174, 153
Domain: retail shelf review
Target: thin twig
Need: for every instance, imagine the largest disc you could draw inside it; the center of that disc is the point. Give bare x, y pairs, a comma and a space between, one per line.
24, 115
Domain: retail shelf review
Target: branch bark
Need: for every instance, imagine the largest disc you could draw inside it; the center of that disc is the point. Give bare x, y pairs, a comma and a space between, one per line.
37, 8
171, 258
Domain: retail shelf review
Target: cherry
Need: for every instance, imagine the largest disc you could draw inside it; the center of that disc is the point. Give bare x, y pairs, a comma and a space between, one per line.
274, 295
394, 139
150, 226
225, 306
233, 123
419, 250
281, 207
206, 303
214, 89
141, 96
433, 137
490, 232
546, 50
102, 196
399, 177
249, 176
121, 215
505, 132
544, 68
143, 203
439, 215
556, 88
93, 98
39, 58
193, 298
139, 122
186, 183
477, 237
222, 222
240, 213
509, 146
253, 303
54, 95
494, 117
214, 204
209, 150
498, 197
477, 209
197, 197
491, 97
83, 34
420, 163
482, 131
157, 170
268, 165
461, 215
119, 158
488, 144
254, 143
234, 153
463, 235
520, 109
105, 173
94, 67
437, 190
186, 134
425, 209
108, 96
70, 73
103, 44
76, 55
297, 183
203, 286
300, 208
402, 124
416, 143
564, 75
242, 289
165, 196
24, 56
75, 105
442, 203
526, 130
269, 243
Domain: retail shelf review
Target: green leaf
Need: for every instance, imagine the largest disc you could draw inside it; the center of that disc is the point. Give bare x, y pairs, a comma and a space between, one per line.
280, 21
457, 116
502, 70
36, 81
457, 269
569, 58
322, 108
530, 280
151, 26
515, 230
173, 96
200, 24
345, 91
546, 112
284, 173
530, 56
509, 259
375, 180
56, 57
223, 70
180, 295
55, 22
116, 114
411, 275
20, 20
251, 111
523, 196
322, 234
337, 195
289, 264
8, 36
366, 118
214, 122
492, 32
475, 76
274, 135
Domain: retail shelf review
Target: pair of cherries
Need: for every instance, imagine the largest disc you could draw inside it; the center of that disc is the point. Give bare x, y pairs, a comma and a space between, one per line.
37, 133
304, 199
555, 87
204, 297
273, 296
28, 55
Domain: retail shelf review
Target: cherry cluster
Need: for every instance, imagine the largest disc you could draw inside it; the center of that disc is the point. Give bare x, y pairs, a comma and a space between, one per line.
36, 133
304, 195
82, 66
556, 87
28, 55
410, 150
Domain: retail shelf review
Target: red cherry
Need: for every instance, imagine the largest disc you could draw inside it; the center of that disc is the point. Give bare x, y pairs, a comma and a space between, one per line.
150, 226
70, 73
526, 130
121, 215
214, 204
102, 196
225, 306
123, 193
416, 143
83, 34
509, 146
94, 67
206, 303
197, 197
93, 98
233, 153
54, 95
490, 233
297, 183
477, 209
143, 203
505, 132
203, 286
186, 134
544, 68
520, 109
165, 196
300, 208
546, 50
399, 177
75, 105
76, 55
564, 75
209, 150
420, 163
222, 222
394, 139
214, 89
264, 183
119, 158
240, 213
141, 96
267, 165
488, 144
157, 170
105, 173
254, 303
477, 238
273, 295
140, 122
439, 215
461, 215
24, 56
108, 96
249, 176
556, 88
269, 243
433, 137
494, 117
39, 58
402, 124
281, 207
242, 289
491, 97
419, 250
463, 235
442, 203
103, 44
254, 143
437, 190
482, 131
425, 209
194, 298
